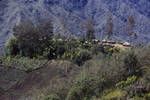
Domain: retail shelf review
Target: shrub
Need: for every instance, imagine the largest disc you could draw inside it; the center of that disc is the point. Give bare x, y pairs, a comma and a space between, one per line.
116, 94
116, 50
97, 49
139, 88
147, 96
73, 44
131, 64
90, 31
87, 45
61, 49
56, 49
23, 63
97, 75
108, 50
144, 56
70, 55
11, 47
129, 81
83, 88
52, 97
81, 57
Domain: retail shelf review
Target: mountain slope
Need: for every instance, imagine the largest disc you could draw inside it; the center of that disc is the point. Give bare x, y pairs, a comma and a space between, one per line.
69, 15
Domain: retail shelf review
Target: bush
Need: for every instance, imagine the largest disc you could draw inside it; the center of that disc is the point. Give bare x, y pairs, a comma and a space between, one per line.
52, 97
129, 81
96, 49
61, 49
97, 75
131, 64
139, 88
87, 45
147, 96
84, 88
55, 50
11, 47
115, 50
116, 94
144, 56
108, 50
81, 57
23, 63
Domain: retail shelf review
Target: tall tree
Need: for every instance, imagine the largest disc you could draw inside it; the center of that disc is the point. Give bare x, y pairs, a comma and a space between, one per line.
130, 27
90, 31
130, 24
109, 26
64, 27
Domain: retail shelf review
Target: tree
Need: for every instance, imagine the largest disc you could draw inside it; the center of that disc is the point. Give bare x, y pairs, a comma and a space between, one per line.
109, 26
89, 25
131, 64
64, 28
32, 39
130, 25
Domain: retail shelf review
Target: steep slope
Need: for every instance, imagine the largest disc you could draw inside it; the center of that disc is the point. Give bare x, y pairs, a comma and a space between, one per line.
69, 15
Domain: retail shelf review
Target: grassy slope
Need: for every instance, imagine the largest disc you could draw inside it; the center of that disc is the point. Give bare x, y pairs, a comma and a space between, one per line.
55, 75
97, 79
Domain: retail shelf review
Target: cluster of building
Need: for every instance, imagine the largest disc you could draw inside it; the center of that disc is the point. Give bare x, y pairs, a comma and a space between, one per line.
112, 43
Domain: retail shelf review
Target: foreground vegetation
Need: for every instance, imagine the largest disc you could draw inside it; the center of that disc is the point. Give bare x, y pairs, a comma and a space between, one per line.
106, 72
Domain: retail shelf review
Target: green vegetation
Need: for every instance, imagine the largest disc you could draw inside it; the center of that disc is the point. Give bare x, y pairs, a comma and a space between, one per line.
23, 63
132, 64
106, 72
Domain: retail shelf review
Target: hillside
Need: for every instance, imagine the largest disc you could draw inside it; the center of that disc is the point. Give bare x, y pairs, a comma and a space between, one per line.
69, 15
74, 49
123, 75
54, 75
